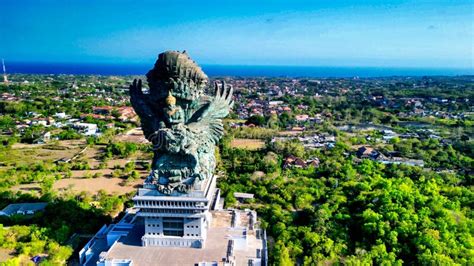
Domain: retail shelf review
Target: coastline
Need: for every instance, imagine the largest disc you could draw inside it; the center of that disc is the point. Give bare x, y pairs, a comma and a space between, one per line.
236, 70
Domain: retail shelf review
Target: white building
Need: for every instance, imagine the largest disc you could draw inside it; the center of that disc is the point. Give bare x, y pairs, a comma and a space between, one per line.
62, 116
86, 129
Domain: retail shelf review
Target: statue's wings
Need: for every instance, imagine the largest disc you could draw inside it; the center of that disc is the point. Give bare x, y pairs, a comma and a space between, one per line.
147, 117
209, 117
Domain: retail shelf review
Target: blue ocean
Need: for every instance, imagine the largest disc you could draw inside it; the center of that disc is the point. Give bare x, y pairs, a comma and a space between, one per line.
234, 70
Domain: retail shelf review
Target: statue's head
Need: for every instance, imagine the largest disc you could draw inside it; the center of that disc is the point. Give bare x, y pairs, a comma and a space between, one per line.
173, 114
177, 74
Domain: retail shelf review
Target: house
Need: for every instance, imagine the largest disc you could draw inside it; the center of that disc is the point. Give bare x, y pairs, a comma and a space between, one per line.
43, 139
86, 129
275, 103
8, 97
418, 104
102, 110
302, 118
39, 122
404, 161
23, 208
126, 113
329, 138
61, 116
316, 119
297, 129
367, 153
388, 134
313, 162
418, 111
97, 116
293, 161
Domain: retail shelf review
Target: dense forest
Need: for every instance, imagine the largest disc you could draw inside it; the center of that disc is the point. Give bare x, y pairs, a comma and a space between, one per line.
354, 213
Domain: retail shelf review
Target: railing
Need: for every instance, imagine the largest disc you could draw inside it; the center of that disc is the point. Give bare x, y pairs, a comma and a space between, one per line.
265, 249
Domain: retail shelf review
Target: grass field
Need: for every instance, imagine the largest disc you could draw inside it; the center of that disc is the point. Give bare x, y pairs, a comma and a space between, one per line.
248, 144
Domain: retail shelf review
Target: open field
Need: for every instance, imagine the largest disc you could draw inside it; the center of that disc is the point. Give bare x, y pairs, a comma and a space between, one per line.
110, 185
21, 153
289, 133
92, 155
133, 135
248, 144
92, 185
29, 154
107, 172
6, 254
78, 151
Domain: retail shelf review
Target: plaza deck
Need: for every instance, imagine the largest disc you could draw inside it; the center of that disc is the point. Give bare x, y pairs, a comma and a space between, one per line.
225, 244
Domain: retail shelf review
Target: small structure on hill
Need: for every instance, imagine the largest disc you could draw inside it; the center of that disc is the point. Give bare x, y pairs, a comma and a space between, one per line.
242, 197
23, 208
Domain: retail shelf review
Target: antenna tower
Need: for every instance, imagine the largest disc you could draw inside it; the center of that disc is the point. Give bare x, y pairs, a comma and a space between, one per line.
5, 78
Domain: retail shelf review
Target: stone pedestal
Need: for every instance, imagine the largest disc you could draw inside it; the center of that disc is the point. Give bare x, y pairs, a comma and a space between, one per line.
176, 220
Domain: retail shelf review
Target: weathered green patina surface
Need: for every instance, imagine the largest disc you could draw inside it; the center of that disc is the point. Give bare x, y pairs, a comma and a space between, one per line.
181, 121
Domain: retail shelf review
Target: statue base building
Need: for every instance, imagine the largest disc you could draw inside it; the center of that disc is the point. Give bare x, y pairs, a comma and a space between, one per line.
179, 229
179, 219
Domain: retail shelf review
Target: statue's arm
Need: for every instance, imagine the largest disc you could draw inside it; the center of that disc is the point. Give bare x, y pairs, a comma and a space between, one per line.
138, 100
149, 122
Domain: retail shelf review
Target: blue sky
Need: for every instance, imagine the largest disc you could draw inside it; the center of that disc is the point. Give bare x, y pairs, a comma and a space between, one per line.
318, 33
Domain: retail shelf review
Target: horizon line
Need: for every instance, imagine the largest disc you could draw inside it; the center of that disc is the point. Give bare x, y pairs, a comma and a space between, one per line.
241, 65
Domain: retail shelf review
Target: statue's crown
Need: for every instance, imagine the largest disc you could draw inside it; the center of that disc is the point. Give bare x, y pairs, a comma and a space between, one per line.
173, 64
177, 67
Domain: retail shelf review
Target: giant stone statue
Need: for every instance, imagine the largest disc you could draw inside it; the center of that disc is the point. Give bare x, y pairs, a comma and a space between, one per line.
183, 124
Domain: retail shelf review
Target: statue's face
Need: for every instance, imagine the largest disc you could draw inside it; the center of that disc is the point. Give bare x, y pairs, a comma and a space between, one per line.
183, 88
